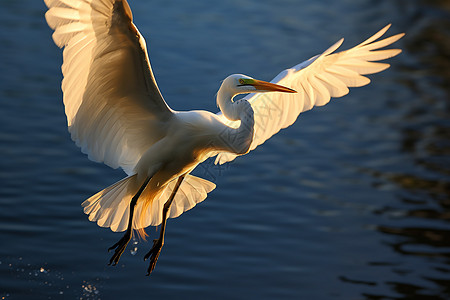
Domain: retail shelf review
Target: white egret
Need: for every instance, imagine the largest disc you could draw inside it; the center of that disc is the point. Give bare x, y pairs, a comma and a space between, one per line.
117, 115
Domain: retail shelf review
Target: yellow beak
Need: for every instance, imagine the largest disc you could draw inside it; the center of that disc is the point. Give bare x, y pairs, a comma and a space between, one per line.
270, 87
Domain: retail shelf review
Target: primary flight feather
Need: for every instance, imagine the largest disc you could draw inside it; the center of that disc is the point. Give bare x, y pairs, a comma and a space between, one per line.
117, 115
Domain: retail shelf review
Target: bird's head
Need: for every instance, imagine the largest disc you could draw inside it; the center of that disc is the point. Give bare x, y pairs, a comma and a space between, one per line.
243, 84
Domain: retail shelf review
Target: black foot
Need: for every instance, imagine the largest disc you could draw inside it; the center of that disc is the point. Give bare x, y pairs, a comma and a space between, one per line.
120, 248
154, 254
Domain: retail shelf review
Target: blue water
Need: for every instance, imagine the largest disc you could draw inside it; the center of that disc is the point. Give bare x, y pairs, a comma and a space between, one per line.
351, 202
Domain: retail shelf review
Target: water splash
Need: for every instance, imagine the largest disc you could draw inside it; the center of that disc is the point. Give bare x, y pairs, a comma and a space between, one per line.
89, 291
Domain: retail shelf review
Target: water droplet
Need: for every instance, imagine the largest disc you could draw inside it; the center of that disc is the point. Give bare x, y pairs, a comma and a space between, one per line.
134, 249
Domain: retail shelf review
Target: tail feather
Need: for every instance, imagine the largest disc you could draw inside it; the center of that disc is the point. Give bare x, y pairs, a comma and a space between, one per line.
192, 190
110, 207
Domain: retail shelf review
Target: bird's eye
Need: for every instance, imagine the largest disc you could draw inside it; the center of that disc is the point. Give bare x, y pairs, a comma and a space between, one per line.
241, 81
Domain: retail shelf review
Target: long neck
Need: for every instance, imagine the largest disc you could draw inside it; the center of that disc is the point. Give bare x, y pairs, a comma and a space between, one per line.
237, 140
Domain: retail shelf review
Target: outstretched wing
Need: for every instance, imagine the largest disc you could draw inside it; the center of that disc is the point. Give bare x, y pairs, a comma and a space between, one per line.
114, 108
316, 81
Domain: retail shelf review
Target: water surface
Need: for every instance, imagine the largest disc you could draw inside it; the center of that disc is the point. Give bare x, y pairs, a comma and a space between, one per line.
351, 202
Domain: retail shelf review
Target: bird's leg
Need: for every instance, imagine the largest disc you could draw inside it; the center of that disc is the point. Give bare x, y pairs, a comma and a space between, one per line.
123, 242
158, 243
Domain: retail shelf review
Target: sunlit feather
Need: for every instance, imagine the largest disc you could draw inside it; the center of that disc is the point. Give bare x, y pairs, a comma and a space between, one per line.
117, 115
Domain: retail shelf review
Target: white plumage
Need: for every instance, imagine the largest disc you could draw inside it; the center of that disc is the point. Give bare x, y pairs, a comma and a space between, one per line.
110, 117
316, 80
107, 80
117, 115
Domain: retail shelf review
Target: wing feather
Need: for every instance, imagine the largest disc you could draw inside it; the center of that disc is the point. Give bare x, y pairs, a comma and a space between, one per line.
114, 108
316, 80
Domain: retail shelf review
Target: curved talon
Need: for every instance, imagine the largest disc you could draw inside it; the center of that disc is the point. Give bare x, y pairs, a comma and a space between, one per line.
120, 247
154, 255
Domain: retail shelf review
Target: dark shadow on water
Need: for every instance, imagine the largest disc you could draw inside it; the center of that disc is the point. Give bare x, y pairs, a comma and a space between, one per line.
416, 227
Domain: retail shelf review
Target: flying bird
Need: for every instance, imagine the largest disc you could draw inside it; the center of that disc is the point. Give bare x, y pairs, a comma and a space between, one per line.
117, 115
